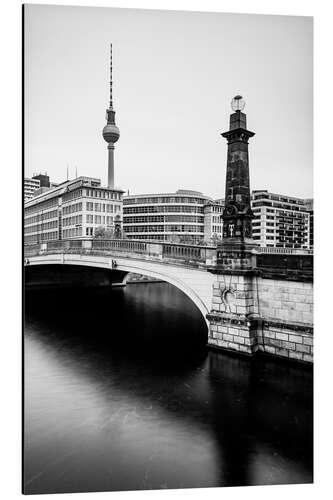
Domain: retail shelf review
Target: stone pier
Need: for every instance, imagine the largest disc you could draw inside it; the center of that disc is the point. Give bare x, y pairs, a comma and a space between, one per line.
252, 313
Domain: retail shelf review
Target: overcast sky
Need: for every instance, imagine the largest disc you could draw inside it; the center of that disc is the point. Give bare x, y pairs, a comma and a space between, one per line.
174, 76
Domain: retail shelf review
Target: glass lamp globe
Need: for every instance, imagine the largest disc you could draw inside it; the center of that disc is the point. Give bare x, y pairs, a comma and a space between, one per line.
237, 103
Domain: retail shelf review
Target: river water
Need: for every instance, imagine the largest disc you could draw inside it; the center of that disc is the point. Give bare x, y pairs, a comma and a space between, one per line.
122, 394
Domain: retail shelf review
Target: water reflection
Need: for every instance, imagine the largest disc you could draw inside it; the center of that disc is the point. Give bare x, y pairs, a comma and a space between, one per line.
120, 394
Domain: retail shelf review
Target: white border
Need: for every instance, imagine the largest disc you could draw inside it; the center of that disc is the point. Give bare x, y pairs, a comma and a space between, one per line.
10, 119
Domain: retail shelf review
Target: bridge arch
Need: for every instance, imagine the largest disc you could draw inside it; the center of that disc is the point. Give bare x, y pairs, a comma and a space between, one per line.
195, 284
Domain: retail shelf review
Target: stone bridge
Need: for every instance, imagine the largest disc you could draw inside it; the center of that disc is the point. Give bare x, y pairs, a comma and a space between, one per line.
267, 308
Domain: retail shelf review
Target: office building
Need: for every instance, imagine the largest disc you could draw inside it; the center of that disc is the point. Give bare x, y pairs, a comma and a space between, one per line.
213, 222
30, 186
177, 217
280, 220
309, 208
188, 216
73, 209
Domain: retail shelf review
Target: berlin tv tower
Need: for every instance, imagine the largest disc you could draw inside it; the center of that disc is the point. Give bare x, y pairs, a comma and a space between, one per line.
111, 132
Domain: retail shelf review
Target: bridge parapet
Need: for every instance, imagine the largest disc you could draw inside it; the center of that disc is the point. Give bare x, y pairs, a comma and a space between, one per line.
283, 262
186, 255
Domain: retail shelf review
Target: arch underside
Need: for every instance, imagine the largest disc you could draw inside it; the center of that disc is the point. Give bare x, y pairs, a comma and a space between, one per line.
176, 276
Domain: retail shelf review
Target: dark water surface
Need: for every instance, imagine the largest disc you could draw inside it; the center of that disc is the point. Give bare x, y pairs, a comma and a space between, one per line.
121, 394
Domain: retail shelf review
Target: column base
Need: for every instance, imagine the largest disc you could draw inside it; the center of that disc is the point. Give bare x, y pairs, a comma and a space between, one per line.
233, 332
235, 254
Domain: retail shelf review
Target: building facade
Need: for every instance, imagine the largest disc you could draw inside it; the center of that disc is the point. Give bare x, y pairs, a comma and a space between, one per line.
309, 207
30, 186
188, 216
213, 222
73, 209
176, 217
281, 221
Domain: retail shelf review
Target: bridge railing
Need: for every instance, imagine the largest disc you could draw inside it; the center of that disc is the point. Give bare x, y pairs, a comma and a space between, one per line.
120, 245
193, 254
285, 251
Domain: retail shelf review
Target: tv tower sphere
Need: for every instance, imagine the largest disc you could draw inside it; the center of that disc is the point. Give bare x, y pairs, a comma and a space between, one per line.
111, 133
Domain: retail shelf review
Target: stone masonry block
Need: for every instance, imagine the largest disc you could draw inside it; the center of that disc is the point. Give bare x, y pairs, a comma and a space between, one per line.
243, 332
222, 343
249, 341
232, 345
307, 317
308, 340
238, 340
295, 355
281, 336
268, 334
228, 337
233, 331
270, 349
245, 348
303, 348
273, 342
308, 357
288, 345
295, 338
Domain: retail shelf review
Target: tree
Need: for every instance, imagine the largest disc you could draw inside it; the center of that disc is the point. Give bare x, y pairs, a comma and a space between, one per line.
102, 232
99, 232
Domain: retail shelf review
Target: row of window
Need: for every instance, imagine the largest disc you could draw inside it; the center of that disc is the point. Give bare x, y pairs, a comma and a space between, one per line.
258, 223
101, 193
76, 207
72, 233
256, 237
162, 209
277, 198
37, 238
72, 195
217, 219
36, 228
278, 205
43, 216
41, 207
164, 218
165, 199
72, 221
102, 207
99, 219
286, 211
179, 228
